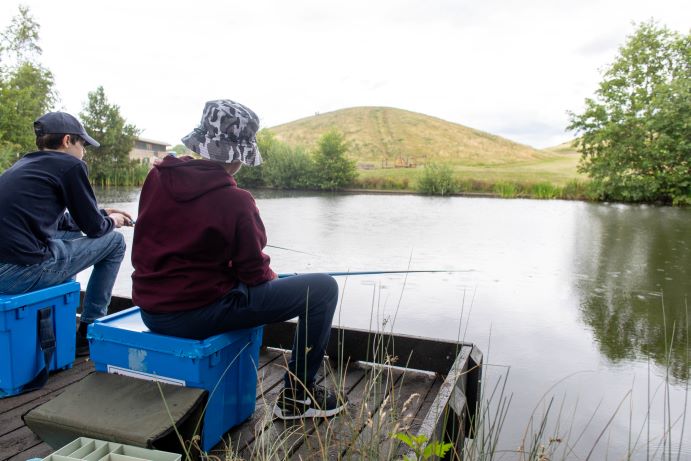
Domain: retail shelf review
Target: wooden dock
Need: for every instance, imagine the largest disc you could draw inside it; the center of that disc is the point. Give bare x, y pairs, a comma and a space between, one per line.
394, 384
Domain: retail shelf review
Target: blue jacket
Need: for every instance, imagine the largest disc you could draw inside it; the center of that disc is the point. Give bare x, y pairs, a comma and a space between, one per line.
34, 194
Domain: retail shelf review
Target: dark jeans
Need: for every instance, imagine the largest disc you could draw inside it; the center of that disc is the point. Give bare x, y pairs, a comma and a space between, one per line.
312, 298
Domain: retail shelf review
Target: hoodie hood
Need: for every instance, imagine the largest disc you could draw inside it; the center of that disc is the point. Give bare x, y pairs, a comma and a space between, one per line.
186, 179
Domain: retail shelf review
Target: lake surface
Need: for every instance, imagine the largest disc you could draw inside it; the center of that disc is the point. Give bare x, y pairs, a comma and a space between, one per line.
583, 309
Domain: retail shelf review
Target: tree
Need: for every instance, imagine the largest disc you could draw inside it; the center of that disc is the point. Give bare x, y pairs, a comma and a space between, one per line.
333, 170
20, 40
181, 150
104, 123
26, 88
635, 143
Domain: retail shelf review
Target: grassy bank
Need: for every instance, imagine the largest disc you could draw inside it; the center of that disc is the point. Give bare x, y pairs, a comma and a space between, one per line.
552, 177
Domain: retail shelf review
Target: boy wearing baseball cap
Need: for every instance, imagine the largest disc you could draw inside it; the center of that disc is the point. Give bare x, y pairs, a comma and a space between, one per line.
199, 264
50, 225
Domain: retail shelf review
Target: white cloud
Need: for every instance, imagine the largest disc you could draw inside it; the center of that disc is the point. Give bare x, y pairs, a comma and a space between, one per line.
510, 68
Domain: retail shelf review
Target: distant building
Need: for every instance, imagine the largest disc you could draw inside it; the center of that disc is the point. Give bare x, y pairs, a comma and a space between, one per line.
146, 150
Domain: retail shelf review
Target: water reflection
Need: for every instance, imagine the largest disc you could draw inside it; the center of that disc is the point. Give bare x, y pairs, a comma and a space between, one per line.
634, 282
106, 195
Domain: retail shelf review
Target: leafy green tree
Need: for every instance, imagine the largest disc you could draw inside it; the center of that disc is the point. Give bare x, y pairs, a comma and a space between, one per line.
26, 88
181, 149
332, 169
9, 153
635, 142
104, 123
19, 42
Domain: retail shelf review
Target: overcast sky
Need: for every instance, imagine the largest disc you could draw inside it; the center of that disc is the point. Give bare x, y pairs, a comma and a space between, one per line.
512, 68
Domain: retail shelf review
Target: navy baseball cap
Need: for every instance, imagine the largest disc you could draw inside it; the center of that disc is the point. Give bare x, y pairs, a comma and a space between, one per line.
62, 123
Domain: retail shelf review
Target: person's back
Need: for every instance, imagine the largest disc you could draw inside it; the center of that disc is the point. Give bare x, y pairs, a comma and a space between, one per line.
34, 194
197, 236
199, 265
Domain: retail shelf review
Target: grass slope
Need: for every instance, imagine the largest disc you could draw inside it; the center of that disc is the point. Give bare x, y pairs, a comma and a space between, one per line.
379, 136
378, 133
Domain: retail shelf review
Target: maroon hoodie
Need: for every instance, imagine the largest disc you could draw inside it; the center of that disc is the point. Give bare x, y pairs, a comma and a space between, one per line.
197, 235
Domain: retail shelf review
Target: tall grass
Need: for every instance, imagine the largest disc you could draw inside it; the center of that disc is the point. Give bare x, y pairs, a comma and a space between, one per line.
380, 420
131, 176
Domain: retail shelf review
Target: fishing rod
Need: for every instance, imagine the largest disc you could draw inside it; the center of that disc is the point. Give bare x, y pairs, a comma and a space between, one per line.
337, 274
290, 249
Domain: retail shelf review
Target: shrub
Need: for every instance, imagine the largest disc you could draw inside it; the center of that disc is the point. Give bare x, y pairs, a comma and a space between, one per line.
289, 168
437, 180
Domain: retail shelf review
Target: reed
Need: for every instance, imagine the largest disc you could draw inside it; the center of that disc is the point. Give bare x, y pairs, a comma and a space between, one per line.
131, 176
545, 190
506, 189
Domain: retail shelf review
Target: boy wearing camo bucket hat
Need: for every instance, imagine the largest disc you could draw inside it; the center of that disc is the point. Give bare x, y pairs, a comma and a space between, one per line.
199, 264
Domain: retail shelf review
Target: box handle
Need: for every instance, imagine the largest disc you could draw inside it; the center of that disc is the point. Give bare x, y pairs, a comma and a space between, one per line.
46, 336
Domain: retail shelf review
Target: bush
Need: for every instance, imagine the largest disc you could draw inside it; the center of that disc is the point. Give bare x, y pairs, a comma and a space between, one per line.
289, 169
437, 180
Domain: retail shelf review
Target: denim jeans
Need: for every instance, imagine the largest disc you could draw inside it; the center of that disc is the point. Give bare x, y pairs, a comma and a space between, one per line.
312, 298
71, 253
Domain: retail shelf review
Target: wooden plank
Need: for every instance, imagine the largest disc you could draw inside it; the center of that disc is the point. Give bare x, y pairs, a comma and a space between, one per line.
269, 380
12, 419
305, 438
375, 439
16, 442
425, 405
41, 451
56, 380
441, 415
412, 392
383, 409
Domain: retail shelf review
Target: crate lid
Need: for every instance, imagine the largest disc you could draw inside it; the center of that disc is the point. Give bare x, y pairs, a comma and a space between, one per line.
13, 301
127, 328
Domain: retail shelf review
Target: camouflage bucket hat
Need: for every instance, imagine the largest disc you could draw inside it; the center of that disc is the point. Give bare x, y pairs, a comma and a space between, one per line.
226, 133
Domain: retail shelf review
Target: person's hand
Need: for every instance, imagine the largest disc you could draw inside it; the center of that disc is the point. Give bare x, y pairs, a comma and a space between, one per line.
126, 217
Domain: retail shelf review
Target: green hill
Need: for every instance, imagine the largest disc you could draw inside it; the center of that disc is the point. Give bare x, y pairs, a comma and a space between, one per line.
383, 135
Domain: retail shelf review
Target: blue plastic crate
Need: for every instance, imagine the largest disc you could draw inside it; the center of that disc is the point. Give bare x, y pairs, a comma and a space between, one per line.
21, 358
225, 365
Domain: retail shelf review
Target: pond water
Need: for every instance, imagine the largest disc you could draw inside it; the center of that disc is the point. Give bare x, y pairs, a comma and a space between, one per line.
581, 309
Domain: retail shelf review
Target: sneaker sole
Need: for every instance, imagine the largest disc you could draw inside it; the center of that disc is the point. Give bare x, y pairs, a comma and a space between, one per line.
311, 413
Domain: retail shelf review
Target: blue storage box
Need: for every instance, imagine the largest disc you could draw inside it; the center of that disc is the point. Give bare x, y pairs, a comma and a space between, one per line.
225, 365
21, 358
